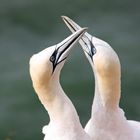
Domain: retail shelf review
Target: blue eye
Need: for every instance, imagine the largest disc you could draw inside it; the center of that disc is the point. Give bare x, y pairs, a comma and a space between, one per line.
52, 58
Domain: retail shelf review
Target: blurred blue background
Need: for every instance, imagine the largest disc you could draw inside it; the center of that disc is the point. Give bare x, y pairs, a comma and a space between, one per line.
28, 26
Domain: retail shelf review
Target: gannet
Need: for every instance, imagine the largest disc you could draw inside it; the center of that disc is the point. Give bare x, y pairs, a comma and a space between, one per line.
107, 121
45, 68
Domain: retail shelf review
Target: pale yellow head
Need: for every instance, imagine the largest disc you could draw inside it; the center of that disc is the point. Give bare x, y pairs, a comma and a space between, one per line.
46, 65
105, 64
105, 60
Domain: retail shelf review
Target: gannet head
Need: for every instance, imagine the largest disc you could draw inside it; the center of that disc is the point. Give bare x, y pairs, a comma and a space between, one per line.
105, 64
47, 64
102, 57
99, 53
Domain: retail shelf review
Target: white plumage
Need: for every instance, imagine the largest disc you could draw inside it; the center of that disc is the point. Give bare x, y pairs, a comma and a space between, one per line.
108, 121
45, 68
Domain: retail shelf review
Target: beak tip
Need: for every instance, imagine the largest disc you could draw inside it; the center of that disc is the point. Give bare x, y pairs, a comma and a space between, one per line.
85, 29
63, 17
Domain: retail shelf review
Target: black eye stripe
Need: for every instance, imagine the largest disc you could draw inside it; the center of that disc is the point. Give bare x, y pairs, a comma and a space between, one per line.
56, 56
53, 56
92, 49
53, 59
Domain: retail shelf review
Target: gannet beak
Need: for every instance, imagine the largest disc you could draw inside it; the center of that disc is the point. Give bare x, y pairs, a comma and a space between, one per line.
63, 48
85, 41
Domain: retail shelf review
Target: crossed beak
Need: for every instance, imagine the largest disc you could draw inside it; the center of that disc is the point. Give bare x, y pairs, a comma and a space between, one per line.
86, 40
63, 48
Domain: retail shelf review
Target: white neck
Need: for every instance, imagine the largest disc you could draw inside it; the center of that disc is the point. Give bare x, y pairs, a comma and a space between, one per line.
107, 93
107, 90
58, 105
106, 114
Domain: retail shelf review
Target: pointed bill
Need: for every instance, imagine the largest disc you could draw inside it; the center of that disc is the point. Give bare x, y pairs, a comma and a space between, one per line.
63, 48
85, 41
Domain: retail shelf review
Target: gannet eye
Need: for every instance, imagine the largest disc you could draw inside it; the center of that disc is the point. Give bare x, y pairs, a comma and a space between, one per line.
52, 58
93, 50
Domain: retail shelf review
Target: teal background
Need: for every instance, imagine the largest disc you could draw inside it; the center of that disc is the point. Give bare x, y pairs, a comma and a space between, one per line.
28, 26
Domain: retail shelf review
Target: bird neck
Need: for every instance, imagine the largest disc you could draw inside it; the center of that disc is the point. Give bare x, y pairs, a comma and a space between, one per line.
105, 108
60, 108
107, 91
